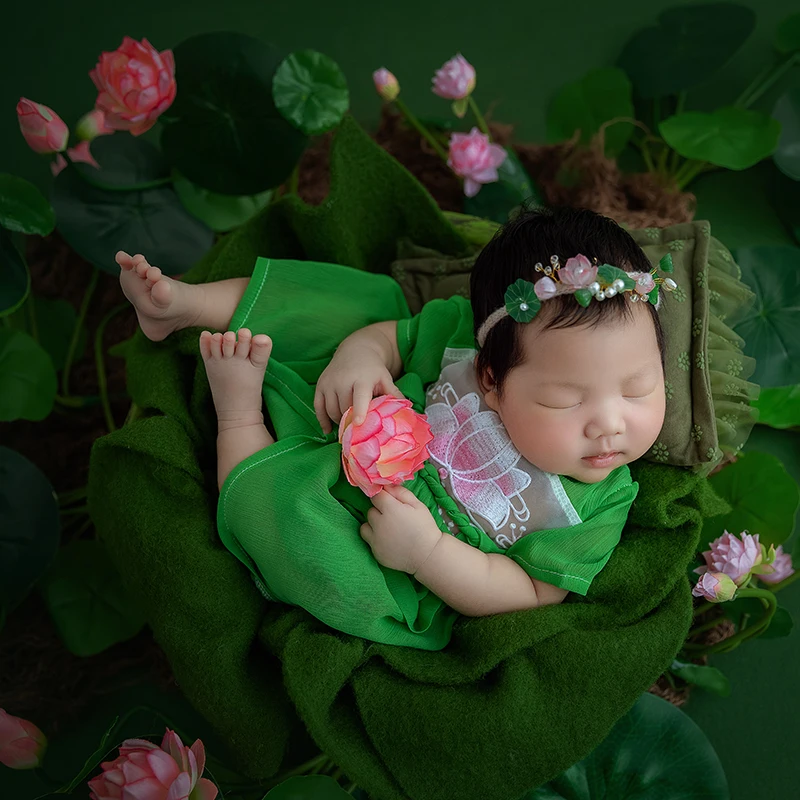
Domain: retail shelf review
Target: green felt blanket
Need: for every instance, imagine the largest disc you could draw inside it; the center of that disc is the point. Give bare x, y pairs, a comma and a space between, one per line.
511, 702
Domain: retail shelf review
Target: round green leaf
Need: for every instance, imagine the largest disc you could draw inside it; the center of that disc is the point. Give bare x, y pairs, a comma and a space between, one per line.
770, 327
521, 301
787, 37
734, 138
787, 112
27, 376
221, 212
585, 105
708, 678
23, 207
654, 752
15, 280
780, 625
763, 498
308, 787
89, 605
98, 222
687, 46
779, 407
513, 186
54, 324
223, 131
29, 526
310, 91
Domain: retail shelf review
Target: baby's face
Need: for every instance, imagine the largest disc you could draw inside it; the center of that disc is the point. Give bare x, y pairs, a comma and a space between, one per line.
585, 400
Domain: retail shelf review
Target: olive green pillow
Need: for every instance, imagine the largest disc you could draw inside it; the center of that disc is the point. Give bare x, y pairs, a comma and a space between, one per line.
709, 414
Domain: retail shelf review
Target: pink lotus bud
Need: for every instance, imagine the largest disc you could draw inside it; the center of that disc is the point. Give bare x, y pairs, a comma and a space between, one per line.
388, 448
386, 84
578, 272
92, 125
455, 80
782, 567
43, 130
735, 557
136, 85
645, 283
80, 153
22, 744
475, 159
146, 772
716, 587
545, 288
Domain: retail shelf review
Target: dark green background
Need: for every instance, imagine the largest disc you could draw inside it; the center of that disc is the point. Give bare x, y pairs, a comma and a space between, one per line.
523, 52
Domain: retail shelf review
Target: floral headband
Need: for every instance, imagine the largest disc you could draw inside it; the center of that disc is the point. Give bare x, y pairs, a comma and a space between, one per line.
582, 278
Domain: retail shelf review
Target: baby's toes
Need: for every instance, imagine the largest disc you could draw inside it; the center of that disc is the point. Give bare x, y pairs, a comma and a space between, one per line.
153, 274
228, 344
216, 346
124, 260
243, 344
260, 350
205, 345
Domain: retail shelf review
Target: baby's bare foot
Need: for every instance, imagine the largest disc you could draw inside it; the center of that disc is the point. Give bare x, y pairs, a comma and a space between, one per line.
162, 304
235, 372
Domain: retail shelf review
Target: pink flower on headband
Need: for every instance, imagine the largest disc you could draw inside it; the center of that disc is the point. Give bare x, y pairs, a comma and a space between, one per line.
644, 282
545, 288
578, 272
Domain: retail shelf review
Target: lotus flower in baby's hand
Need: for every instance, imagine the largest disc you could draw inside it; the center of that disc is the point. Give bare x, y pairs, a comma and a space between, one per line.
147, 772
388, 448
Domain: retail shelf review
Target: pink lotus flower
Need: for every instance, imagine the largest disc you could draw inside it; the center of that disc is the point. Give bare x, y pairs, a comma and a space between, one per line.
388, 448
716, 587
43, 130
545, 288
92, 125
455, 80
145, 772
645, 283
473, 158
386, 84
732, 556
782, 567
22, 744
136, 85
80, 153
578, 272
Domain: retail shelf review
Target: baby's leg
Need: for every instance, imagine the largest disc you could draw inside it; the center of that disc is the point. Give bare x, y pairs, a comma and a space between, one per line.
164, 305
236, 375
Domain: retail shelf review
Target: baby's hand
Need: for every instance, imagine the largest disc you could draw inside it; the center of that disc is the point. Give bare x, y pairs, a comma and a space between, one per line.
400, 530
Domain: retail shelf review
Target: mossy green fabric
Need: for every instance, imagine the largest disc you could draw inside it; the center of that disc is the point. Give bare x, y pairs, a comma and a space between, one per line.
511, 702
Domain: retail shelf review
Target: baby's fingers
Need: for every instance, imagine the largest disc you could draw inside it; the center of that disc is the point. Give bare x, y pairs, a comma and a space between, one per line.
362, 395
321, 412
386, 386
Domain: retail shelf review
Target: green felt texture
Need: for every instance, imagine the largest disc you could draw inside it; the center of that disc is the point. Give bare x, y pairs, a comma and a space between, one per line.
510, 703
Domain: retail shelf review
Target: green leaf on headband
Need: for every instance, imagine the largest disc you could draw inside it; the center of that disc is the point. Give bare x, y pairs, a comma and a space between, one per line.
653, 296
608, 273
665, 264
583, 296
521, 293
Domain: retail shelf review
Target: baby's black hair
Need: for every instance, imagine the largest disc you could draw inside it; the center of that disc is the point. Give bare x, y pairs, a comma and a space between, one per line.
533, 236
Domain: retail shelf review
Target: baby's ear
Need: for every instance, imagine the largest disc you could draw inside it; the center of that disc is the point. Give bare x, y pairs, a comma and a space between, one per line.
487, 385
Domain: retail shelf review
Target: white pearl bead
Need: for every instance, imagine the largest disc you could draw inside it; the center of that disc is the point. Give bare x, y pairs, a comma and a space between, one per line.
670, 284
611, 291
619, 284
601, 295
523, 306
594, 288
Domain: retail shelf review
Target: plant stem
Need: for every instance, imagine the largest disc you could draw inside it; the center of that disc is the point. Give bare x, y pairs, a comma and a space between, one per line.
109, 187
706, 626
680, 102
65, 498
294, 180
100, 365
32, 318
704, 607
421, 129
73, 344
765, 80
479, 117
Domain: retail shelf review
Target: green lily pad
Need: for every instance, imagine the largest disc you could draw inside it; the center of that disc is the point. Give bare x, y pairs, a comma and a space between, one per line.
308, 787
708, 678
638, 759
787, 37
770, 327
27, 376
521, 301
15, 280
601, 95
86, 598
779, 407
23, 208
311, 92
29, 526
221, 212
223, 132
787, 112
495, 201
55, 322
780, 625
687, 46
763, 498
98, 222
734, 138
